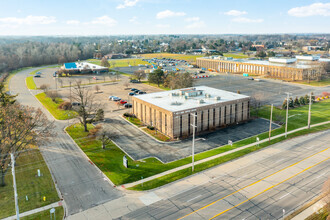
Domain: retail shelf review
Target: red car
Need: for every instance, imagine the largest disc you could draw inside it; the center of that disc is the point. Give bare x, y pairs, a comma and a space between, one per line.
122, 102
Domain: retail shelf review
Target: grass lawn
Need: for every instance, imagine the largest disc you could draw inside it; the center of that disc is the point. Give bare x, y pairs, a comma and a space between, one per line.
110, 159
324, 82
321, 214
30, 83
135, 121
59, 212
189, 58
157, 135
235, 55
120, 62
155, 85
28, 184
52, 107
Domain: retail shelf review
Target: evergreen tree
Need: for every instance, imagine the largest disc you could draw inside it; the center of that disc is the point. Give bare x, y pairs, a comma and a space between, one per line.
291, 103
306, 99
302, 100
5, 98
296, 101
156, 77
284, 104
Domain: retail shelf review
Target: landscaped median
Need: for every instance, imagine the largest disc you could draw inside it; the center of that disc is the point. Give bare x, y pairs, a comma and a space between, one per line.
53, 107
30, 83
110, 160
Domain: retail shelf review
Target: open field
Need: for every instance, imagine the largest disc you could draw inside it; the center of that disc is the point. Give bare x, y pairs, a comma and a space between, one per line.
324, 82
28, 184
120, 62
189, 58
110, 159
59, 212
52, 107
30, 82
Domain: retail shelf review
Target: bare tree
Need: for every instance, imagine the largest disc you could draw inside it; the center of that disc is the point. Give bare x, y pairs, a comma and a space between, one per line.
23, 126
97, 88
139, 74
53, 95
44, 87
117, 76
105, 136
104, 62
126, 84
60, 81
88, 106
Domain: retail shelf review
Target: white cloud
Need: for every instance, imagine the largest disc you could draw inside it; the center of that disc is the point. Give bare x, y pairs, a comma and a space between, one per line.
28, 20
163, 25
134, 20
74, 22
127, 3
104, 20
322, 9
246, 20
192, 19
196, 24
169, 14
235, 13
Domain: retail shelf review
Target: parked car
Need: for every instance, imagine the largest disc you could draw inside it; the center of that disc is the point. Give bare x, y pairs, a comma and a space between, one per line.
133, 89
134, 81
128, 105
76, 104
250, 78
55, 74
141, 92
37, 76
136, 91
131, 94
123, 102
116, 99
110, 97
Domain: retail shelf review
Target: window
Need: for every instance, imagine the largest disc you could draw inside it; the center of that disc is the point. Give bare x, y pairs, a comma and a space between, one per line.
242, 110
208, 119
214, 117
236, 113
202, 116
180, 125
165, 124
189, 124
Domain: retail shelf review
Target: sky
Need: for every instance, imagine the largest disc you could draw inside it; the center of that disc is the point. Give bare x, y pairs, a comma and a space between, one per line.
134, 17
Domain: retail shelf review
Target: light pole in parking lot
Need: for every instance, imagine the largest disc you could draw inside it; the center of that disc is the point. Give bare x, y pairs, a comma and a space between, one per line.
193, 142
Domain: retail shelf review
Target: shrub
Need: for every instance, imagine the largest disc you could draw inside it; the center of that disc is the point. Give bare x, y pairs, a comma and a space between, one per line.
291, 103
327, 97
44, 87
318, 99
284, 104
53, 95
302, 100
296, 101
92, 132
65, 106
151, 127
129, 115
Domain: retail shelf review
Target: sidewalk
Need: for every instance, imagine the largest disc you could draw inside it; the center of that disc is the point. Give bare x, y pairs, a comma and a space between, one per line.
33, 211
128, 185
309, 211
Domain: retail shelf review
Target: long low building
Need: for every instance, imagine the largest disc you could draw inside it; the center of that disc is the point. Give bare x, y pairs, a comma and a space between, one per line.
84, 67
281, 68
172, 112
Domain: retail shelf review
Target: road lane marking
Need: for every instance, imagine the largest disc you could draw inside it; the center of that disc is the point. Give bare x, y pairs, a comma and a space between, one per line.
252, 184
194, 198
284, 196
268, 188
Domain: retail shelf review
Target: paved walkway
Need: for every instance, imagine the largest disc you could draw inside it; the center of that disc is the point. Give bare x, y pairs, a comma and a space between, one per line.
215, 156
33, 211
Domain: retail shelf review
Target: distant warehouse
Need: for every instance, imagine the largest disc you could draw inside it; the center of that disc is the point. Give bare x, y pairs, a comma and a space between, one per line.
281, 68
171, 112
84, 67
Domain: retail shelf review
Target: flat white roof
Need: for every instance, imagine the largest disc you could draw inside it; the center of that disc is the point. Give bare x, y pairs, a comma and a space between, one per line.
189, 98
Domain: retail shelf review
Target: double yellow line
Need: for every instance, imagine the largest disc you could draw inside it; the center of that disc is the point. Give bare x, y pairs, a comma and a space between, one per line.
258, 182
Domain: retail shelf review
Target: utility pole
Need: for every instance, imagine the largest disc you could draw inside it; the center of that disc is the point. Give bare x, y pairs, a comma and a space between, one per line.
309, 111
193, 142
70, 92
287, 114
14, 184
270, 123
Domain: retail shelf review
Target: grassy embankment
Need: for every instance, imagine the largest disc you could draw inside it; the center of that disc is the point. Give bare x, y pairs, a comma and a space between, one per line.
28, 184
30, 83
52, 107
110, 159
324, 82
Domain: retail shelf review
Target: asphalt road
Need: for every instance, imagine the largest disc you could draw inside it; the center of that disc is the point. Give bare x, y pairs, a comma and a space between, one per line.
292, 173
267, 90
80, 183
138, 145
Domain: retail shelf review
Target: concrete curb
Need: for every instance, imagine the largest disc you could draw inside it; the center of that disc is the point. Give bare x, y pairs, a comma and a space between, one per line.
128, 185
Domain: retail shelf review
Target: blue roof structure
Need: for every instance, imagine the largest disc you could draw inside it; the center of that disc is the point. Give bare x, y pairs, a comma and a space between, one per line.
70, 65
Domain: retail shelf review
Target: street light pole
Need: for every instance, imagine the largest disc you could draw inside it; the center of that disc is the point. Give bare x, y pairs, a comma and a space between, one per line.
14, 184
287, 114
193, 142
309, 111
270, 123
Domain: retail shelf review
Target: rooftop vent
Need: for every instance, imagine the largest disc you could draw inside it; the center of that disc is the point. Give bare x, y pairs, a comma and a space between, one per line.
200, 101
217, 98
158, 97
207, 95
176, 103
